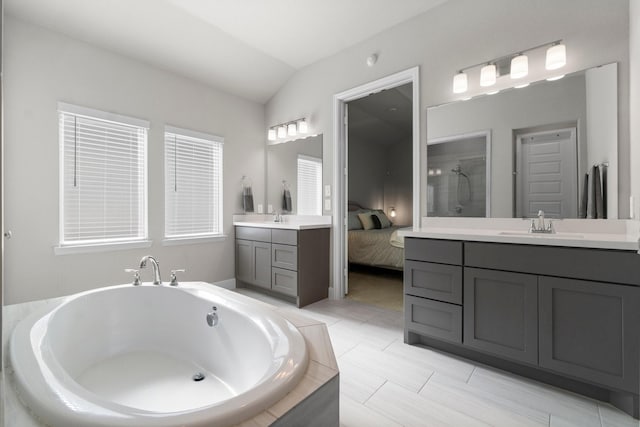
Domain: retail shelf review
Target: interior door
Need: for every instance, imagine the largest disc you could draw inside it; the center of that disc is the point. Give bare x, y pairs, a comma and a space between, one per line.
345, 220
547, 174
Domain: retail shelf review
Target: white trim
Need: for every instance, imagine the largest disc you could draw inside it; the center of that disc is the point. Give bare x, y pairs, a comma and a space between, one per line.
411, 75
107, 247
102, 115
193, 134
226, 284
193, 240
487, 138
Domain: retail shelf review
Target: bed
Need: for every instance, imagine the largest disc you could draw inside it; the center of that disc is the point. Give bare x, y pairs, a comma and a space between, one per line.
378, 247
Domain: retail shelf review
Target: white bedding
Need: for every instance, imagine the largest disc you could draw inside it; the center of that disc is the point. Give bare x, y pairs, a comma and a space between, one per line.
377, 247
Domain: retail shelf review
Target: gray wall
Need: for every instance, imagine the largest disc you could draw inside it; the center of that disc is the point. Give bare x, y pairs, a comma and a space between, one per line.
42, 68
457, 34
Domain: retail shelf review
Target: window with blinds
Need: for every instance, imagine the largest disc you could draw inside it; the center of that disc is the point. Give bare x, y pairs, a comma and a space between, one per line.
309, 185
193, 184
102, 177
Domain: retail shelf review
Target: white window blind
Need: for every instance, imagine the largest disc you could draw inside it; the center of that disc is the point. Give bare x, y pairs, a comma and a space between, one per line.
309, 185
103, 177
193, 184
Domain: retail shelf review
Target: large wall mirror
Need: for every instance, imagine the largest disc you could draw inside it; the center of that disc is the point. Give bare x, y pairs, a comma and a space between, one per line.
294, 176
550, 146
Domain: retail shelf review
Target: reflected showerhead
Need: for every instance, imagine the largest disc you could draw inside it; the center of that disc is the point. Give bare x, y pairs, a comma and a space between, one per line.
458, 171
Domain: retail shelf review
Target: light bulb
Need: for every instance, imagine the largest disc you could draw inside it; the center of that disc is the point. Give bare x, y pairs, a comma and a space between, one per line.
488, 75
519, 67
460, 82
393, 212
292, 129
271, 135
556, 57
282, 132
302, 126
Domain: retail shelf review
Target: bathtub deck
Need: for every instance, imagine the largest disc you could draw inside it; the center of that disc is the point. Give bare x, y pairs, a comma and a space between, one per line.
313, 402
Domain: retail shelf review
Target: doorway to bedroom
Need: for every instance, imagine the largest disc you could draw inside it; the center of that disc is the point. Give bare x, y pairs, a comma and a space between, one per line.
379, 189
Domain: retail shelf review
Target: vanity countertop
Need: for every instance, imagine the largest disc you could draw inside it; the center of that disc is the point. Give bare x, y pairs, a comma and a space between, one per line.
281, 225
290, 222
620, 238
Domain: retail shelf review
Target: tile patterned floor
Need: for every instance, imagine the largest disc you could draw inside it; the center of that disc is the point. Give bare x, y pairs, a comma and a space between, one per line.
384, 382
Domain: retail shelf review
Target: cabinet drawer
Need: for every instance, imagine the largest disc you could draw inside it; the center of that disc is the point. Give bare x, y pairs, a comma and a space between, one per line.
436, 281
433, 250
284, 256
433, 318
284, 237
602, 265
254, 233
284, 281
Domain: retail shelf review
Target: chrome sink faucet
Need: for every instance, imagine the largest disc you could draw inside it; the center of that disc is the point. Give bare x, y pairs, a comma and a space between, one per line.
156, 268
541, 227
277, 217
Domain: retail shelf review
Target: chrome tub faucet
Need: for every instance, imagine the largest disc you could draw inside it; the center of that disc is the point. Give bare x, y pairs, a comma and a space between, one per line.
156, 268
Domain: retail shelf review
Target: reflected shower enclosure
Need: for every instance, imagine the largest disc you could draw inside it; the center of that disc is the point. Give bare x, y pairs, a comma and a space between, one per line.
457, 183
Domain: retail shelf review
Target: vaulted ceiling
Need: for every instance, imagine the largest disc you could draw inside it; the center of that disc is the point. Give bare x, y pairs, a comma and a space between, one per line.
246, 47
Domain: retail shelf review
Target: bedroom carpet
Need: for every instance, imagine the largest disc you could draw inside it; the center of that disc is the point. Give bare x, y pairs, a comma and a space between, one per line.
376, 287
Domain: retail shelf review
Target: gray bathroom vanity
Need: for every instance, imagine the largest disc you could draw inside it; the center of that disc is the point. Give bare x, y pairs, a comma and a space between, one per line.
290, 261
565, 315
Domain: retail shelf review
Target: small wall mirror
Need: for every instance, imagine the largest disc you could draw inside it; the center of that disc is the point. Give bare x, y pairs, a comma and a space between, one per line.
553, 147
294, 176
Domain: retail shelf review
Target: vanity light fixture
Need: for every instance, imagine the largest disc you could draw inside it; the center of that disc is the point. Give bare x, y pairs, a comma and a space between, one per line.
556, 56
302, 126
515, 64
460, 82
488, 75
288, 129
519, 66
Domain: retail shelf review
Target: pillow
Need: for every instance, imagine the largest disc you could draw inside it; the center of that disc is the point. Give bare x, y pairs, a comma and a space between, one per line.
353, 223
365, 219
382, 217
376, 221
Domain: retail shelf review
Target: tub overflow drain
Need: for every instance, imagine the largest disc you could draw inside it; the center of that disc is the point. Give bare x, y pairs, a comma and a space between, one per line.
198, 376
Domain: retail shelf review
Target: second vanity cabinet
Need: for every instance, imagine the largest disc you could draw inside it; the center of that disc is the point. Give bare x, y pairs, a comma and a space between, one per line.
566, 315
293, 264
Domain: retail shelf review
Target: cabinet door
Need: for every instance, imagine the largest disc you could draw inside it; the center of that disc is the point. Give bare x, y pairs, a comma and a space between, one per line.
501, 313
284, 281
440, 282
590, 330
244, 261
262, 264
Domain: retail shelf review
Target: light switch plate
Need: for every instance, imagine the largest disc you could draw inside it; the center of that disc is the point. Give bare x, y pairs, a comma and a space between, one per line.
260, 208
327, 190
269, 208
327, 204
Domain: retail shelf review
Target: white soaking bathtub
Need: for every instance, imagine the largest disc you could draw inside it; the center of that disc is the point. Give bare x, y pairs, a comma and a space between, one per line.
146, 356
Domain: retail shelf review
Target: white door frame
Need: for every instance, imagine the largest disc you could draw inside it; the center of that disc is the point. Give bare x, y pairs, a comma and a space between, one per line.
340, 163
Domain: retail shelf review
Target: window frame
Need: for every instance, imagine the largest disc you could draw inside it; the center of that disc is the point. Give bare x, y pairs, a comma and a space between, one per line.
99, 245
218, 235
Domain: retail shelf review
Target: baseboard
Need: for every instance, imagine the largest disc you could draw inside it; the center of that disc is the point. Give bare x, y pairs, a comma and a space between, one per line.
227, 284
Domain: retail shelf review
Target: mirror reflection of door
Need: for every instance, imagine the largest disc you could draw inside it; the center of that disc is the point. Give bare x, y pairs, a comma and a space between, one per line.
547, 174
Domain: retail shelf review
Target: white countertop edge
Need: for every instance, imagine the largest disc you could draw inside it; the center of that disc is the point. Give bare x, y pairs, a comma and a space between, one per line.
590, 240
281, 225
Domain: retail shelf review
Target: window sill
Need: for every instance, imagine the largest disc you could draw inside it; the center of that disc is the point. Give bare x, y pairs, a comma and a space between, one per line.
107, 247
193, 240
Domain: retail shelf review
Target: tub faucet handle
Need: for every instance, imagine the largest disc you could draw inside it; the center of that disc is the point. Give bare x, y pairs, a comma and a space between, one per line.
136, 275
174, 279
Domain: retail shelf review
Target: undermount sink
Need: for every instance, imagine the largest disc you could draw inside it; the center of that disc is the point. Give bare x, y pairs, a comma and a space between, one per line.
552, 235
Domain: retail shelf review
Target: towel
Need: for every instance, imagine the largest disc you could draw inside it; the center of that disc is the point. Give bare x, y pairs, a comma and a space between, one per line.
247, 199
597, 195
286, 201
585, 197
